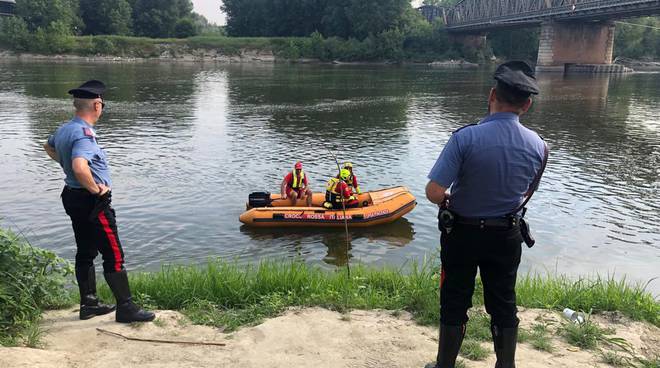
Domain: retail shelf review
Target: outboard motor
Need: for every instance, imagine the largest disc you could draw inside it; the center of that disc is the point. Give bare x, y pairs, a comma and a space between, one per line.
259, 199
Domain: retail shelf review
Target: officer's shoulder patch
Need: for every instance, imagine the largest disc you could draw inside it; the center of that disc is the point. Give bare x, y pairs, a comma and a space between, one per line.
88, 132
463, 127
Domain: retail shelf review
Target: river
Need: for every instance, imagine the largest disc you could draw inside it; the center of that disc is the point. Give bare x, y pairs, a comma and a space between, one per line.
188, 142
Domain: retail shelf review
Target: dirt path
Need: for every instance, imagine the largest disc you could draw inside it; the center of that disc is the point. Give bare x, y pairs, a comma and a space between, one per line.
300, 338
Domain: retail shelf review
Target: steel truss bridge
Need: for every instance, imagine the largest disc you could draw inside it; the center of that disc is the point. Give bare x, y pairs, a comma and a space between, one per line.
474, 16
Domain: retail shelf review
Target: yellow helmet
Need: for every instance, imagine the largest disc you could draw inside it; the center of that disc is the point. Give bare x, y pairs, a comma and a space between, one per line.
344, 174
347, 165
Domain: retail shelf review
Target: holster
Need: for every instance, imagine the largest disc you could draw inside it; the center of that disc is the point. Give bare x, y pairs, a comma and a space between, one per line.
526, 233
446, 220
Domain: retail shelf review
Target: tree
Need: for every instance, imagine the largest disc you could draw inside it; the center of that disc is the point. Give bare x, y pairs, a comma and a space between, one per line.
158, 18
106, 16
42, 13
185, 27
343, 18
375, 16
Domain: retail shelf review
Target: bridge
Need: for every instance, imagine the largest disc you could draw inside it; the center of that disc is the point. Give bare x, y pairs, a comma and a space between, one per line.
7, 7
572, 31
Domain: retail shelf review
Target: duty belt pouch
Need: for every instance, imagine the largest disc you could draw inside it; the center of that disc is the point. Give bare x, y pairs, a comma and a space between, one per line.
526, 233
446, 220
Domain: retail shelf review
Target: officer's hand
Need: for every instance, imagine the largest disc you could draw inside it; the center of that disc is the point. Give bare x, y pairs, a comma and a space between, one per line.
104, 190
284, 196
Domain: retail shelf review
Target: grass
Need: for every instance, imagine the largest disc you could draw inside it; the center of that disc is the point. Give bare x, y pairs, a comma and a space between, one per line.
31, 281
598, 294
159, 322
472, 349
653, 363
586, 335
478, 327
615, 360
231, 295
540, 339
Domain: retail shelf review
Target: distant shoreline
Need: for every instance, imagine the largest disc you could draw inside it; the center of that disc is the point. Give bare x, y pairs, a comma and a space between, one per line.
246, 57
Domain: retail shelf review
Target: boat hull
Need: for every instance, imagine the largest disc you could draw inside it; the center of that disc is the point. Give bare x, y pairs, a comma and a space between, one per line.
376, 208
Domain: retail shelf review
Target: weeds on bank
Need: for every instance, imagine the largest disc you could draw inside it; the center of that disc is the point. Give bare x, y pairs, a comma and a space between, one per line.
478, 326
587, 335
616, 360
540, 339
598, 294
233, 295
472, 349
653, 363
31, 280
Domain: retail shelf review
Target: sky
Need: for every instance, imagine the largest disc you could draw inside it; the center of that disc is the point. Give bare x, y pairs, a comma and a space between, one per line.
211, 10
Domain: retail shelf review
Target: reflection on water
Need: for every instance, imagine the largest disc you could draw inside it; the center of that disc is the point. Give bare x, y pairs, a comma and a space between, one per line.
396, 234
187, 143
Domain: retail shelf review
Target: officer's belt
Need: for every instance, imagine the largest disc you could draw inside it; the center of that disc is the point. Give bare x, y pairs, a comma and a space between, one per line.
76, 189
499, 222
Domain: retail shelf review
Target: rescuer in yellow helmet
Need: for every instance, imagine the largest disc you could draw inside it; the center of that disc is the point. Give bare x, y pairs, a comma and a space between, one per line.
337, 191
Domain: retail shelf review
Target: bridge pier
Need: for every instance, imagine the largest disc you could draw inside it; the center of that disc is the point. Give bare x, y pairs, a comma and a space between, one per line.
564, 45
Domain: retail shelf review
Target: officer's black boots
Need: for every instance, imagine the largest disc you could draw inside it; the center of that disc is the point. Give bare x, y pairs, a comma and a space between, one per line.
505, 340
451, 338
89, 303
127, 311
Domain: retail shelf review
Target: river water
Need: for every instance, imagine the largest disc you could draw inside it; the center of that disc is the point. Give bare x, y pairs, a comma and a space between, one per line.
188, 143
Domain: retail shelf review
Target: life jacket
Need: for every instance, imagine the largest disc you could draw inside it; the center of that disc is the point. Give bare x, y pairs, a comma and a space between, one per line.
332, 195
349, 181
297, 182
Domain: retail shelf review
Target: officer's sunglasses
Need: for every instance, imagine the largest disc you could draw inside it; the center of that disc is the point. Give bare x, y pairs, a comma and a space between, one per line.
102, 104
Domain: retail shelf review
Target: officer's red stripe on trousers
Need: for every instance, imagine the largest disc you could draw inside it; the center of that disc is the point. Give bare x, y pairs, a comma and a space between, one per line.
442, 276
112, 239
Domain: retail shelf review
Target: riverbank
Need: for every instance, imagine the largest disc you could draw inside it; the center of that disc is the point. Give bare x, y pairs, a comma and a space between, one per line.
293, 314
385, 48
316, 337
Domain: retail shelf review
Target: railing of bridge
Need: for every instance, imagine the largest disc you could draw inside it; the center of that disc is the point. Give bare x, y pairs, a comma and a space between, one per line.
468, 11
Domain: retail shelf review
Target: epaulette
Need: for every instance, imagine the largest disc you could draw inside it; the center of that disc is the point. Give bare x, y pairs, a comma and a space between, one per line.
463, 127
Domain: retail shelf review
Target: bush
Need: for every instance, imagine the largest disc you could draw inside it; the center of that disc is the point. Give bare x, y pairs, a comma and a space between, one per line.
31, 280
54, 39
185, 28
14, 33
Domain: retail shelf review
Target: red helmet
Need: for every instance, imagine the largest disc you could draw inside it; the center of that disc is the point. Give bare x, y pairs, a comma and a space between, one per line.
298, 165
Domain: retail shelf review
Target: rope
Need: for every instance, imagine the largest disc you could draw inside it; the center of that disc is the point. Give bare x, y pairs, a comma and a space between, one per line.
115, 334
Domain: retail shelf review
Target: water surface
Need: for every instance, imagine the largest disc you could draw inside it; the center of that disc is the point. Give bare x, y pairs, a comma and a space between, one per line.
187, 143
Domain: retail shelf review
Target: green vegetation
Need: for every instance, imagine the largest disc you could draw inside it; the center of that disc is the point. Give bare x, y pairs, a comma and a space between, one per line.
472, 349
615, 359
539, 338
654, 363
31, 280
229, 295
327, 30
597, 294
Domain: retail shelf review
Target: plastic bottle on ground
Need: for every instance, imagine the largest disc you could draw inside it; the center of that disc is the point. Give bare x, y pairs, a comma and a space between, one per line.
573, 316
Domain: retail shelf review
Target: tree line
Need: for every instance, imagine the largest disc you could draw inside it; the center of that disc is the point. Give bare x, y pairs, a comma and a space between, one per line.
348, 30
340, 18
146, 18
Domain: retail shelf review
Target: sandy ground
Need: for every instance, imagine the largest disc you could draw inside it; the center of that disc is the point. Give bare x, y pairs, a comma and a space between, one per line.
300, 338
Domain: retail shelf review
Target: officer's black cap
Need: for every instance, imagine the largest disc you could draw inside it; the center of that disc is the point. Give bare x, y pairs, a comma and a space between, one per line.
519, 76
89, 90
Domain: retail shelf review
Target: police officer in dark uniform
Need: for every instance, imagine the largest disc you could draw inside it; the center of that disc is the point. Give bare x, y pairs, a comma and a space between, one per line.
87, 200
480, 181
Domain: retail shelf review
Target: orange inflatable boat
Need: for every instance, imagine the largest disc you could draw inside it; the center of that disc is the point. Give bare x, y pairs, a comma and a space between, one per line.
377, 207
